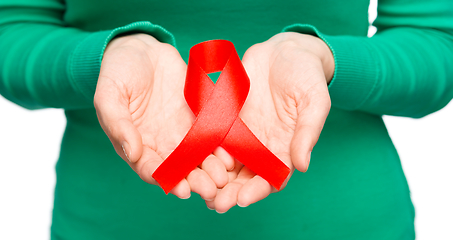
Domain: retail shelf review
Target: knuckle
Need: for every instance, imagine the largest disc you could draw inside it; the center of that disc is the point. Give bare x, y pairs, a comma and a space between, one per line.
113, 132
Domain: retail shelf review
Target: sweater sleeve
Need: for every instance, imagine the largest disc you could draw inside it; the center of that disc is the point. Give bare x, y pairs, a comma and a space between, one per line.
44, 63
405, 69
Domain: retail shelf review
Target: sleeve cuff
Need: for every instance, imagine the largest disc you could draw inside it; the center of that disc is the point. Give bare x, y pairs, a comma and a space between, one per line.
356, 71
86, 60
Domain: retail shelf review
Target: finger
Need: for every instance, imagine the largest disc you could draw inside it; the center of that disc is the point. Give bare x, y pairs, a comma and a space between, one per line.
226, 158
215, 168
233, 174
128, 139
211, 204
228, 196
181, 190
115, 119
201, 183
310, 121
254, 190
285, 158
257, 188
148, 163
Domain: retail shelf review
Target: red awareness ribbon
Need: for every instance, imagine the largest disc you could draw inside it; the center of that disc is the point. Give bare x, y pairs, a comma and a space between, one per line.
217, 123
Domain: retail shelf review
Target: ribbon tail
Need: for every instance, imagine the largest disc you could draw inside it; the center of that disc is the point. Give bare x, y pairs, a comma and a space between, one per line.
247, 149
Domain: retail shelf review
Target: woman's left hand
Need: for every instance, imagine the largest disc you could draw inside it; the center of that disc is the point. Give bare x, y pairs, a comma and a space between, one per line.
286, 108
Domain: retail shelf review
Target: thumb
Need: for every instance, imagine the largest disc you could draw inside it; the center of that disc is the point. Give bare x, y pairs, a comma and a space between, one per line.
112, 109
309, 124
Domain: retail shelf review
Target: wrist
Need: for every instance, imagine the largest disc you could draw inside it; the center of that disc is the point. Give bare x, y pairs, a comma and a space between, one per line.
313, 45
322, 50
327, 59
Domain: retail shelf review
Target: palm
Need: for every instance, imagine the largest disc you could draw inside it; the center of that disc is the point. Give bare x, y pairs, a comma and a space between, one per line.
288, 99
159, 112
270, 114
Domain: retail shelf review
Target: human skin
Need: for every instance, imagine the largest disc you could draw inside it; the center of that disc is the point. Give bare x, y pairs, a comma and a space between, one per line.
140, 105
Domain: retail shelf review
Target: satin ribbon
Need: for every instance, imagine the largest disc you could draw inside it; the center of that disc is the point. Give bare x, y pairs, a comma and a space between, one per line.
217, 123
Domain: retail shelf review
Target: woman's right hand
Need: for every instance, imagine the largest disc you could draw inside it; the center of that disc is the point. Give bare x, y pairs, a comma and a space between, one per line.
140, 105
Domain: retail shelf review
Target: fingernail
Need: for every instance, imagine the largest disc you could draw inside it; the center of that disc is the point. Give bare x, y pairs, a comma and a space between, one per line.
219, 212
241, 205
126, 149
308, 162
186, 197
210, 208
210, 200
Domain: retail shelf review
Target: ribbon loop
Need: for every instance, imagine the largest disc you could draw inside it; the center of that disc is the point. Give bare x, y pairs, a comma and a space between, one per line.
217, 123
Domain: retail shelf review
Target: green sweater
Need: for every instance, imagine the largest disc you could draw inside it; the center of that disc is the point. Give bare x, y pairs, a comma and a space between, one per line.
50, 55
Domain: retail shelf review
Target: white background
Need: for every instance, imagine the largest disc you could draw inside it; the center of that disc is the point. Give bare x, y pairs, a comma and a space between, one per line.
29, 145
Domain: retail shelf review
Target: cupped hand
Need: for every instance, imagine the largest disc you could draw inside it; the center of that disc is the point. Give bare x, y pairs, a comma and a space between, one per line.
140, 105
286, 108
